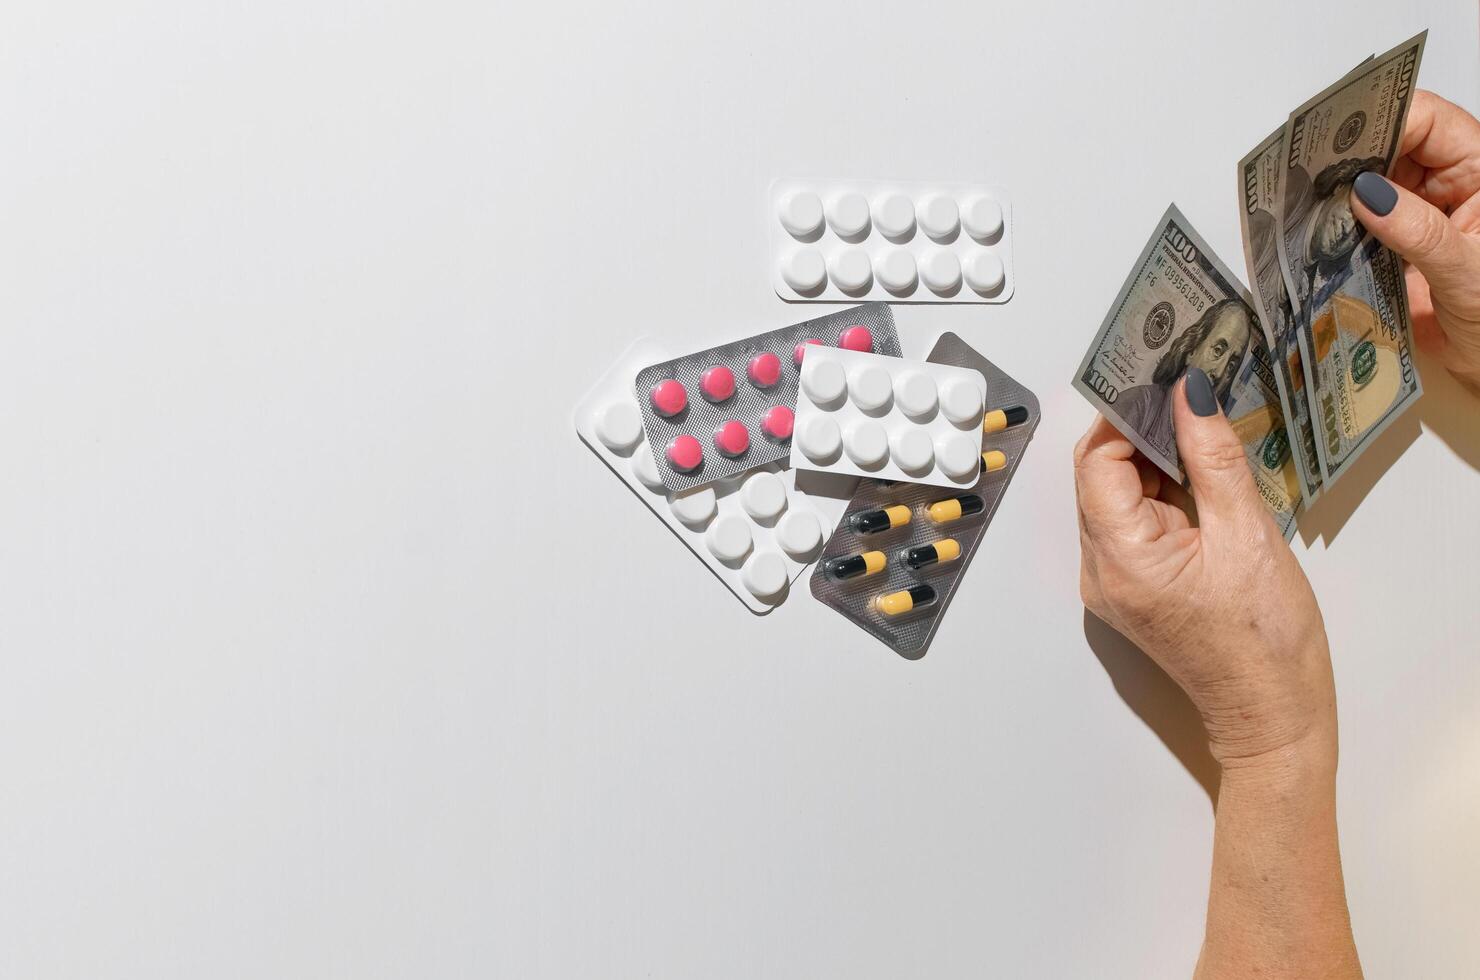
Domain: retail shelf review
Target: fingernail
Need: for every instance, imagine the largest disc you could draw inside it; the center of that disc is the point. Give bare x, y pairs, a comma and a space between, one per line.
1374, 191
1200, 393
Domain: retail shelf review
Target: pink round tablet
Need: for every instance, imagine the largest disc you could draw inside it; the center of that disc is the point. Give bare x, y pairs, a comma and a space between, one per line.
796, 354
856, 338
732, 438
778, 422
685, 454
669, 398
718, 383
764, 369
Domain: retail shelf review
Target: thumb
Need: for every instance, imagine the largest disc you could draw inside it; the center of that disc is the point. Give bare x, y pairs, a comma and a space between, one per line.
1418, 231
1211, 453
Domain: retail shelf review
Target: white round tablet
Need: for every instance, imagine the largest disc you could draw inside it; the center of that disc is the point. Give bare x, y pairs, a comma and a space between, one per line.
941, 271
982, 218
728, 538
867, 443
914, 393
820, 439
894, 215
619, 425
850, 270
800, 213
763, 495
984, 271
848, 215
764, 574
823, 381
957, 454
911, 449
646, 469
804, 270
869, 387
938, 215
693, 507
896, 270
961, 400
799, 534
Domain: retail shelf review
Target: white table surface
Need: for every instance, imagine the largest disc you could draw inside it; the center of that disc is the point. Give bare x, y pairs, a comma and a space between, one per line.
329, 650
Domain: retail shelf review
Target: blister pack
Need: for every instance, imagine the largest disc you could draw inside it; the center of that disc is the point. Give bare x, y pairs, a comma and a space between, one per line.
903, 241
889, 418
898, 555
718, 412
755, 530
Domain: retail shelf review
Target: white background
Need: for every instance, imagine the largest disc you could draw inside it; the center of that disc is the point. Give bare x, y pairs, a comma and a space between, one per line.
329, 651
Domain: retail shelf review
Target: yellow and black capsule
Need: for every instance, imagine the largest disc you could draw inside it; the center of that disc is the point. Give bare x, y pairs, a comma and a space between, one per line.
899, 603
854, 566
874, 521
955, 508
992, 460
918, 557
1004, 418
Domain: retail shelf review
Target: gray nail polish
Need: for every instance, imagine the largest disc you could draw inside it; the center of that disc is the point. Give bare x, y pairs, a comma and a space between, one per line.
1200, 393
1375, 192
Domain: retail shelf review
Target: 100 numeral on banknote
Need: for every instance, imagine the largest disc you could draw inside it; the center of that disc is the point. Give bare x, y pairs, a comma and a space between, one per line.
1182, 308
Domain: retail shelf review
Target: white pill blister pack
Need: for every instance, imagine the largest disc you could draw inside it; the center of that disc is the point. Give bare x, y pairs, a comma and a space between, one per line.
836, 241
889, 418
754, 530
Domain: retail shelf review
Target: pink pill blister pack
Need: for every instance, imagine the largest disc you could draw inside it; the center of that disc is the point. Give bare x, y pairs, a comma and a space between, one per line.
834, 241
719, 412
753, 529
889, 418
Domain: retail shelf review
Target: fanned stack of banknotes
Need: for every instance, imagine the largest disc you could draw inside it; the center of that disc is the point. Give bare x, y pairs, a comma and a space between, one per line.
1318, 361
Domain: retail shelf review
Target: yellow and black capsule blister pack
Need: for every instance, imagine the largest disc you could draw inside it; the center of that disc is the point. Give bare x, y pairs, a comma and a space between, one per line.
890, 566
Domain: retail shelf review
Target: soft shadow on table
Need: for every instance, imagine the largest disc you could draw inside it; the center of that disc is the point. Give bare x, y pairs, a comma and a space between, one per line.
1156, 700
1329, 514
1451, 411
1447, 408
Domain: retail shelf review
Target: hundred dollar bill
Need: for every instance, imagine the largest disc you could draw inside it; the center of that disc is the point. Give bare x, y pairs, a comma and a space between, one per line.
1353, 126
1325, 254
1360, 361
1259, 190
1180, 308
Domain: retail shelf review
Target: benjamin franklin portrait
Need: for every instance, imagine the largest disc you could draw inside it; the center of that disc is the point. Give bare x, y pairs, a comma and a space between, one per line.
1325, 232
1217, 343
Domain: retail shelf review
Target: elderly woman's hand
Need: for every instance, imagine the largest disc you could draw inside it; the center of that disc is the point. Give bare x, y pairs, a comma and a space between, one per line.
1430, 214
1223, 606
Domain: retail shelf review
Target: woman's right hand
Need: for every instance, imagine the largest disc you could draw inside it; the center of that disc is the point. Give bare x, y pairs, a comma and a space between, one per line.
1429, 213
1223, 607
